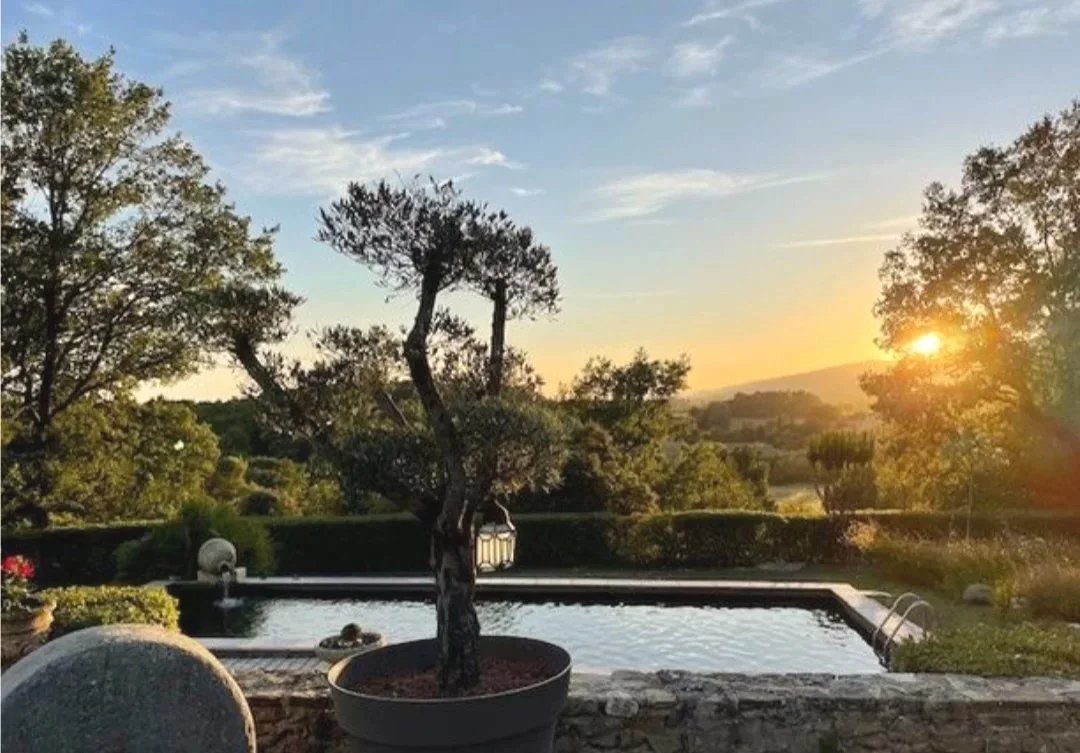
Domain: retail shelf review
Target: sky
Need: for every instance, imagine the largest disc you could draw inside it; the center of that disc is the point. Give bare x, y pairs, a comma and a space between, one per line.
719, 179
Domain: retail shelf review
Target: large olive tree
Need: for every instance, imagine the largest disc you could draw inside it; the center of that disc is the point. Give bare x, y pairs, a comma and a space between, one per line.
437, 420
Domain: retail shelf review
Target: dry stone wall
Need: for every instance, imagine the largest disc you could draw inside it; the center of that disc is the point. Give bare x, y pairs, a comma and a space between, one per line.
677, 712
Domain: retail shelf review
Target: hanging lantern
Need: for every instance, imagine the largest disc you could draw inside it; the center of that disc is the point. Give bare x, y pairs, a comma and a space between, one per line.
496, 541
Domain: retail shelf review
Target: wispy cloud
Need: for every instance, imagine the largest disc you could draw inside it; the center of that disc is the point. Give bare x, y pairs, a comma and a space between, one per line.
550, 86
438, 114
787, 71
915, 23
697, 96
644, 194
1032, 22
596, 70
321, 161
486, 157
897, 223
261, 78
922, 24
38, 9
742, 10
845, 241
692, 59
519, 191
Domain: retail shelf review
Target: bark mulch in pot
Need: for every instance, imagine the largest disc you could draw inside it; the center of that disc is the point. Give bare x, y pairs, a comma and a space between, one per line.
496, 676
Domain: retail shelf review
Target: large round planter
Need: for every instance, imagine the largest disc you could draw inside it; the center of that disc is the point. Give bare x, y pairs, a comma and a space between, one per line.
517, 721
22, 632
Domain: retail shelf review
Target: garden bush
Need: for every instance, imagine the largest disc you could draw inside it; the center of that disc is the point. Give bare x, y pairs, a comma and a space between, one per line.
1049, 591
171, 548
79, 607
1022, 650
265, 502
1044, 572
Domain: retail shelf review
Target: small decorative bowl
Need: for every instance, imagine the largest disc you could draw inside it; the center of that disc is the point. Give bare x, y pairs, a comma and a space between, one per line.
332, 654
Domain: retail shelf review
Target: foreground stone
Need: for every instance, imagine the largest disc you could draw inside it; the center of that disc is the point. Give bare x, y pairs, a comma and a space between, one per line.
123, 689
978, 593
678, 712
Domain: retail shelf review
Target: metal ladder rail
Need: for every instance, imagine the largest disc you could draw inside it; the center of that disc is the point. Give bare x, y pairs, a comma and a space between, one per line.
892, 611
930, 616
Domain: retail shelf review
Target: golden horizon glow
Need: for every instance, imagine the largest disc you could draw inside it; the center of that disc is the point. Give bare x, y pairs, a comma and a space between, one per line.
927, 345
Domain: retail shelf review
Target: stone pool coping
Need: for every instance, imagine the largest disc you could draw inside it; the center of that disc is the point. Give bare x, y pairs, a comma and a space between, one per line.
864, 612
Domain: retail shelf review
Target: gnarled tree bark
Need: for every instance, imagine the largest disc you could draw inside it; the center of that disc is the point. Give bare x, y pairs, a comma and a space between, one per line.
458, 628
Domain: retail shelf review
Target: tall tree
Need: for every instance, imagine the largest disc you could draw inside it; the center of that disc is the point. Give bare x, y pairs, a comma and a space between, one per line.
630, 400
116, 248
994, 270
843, 471
485, 432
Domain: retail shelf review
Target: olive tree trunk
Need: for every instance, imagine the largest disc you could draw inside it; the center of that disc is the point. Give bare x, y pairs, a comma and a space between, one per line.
458, 627
452, 533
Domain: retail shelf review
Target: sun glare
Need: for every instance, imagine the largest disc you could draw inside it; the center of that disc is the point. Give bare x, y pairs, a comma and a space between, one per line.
926, 345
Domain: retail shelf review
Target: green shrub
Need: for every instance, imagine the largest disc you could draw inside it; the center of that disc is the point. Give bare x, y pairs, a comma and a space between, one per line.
951, 565
227, 482
81, 607
171, 548
1024, 650
1050, 591
265, 502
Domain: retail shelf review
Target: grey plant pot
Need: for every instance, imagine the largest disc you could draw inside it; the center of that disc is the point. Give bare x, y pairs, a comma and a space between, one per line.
371, 642
517, 721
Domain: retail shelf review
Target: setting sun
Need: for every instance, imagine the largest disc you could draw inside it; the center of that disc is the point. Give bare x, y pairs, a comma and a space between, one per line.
926, 345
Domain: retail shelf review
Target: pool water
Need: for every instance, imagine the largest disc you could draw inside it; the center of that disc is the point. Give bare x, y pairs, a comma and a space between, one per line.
743, 638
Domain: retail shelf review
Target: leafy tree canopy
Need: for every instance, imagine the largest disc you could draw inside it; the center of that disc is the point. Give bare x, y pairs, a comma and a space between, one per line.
994, 270
117, 250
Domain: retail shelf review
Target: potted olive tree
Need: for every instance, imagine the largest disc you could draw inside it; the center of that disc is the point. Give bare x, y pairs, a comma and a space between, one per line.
26, 616
473, 429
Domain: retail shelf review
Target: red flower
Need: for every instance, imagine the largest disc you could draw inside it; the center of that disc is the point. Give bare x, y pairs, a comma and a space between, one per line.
17, 566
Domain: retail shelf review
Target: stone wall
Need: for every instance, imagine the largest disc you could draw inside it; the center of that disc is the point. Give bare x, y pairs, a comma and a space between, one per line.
675, 712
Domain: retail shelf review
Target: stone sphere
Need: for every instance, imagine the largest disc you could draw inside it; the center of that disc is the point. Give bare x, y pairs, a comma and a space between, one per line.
123, 688
214, 553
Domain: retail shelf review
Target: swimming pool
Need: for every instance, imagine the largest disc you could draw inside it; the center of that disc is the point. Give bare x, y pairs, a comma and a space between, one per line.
755, 631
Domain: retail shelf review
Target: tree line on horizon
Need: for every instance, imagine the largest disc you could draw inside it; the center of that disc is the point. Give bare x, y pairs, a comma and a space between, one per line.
124, 263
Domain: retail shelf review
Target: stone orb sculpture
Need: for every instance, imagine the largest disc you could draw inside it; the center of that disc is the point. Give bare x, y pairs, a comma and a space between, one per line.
215, 554
123, 688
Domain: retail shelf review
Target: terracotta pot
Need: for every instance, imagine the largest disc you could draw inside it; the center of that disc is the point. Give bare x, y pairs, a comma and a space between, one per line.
334, 655
23, 631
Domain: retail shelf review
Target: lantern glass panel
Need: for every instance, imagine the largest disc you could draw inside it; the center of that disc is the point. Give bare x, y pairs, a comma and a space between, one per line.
495, 547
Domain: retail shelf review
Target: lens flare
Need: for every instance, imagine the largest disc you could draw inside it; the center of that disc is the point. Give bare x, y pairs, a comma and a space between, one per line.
926, 345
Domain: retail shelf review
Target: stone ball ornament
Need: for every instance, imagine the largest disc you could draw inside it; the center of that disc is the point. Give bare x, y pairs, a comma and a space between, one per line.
216, 555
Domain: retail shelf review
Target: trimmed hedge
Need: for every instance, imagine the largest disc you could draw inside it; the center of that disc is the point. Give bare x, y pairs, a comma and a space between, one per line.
82, 554
81, 607
397, 543
359, 544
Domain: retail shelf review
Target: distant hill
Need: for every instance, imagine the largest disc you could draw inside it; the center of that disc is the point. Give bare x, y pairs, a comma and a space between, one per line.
838, 385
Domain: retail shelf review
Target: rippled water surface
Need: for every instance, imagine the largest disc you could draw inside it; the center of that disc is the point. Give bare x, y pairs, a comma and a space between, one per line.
601, 636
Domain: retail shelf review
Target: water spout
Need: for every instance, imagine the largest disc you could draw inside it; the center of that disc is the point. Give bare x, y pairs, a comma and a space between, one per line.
228, 573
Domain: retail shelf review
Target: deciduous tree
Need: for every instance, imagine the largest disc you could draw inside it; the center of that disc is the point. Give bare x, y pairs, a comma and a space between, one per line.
116, 246
994, 270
